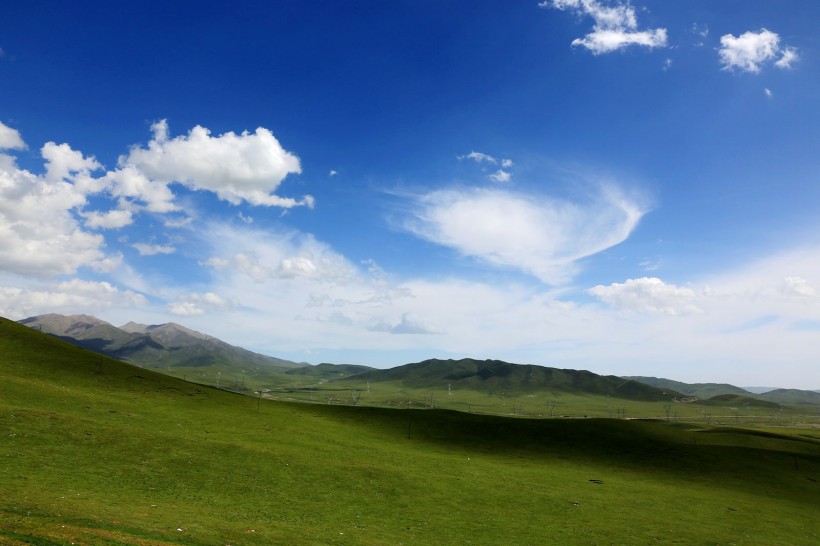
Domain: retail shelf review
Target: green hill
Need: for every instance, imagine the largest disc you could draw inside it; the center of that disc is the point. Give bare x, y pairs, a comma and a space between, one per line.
499, 376
738, 401
329, 371
699, 390
96, 451
792, 396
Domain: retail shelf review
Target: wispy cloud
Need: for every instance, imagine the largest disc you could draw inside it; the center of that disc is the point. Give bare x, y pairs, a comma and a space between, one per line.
501, 175
540, 235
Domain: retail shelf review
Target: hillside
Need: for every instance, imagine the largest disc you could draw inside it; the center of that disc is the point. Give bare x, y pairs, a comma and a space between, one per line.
738, 402
721, 393
96, 451
329, 371
700, 390
792, 396
498, 376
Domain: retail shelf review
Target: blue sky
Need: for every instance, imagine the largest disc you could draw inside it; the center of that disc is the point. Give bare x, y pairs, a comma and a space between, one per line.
629, 188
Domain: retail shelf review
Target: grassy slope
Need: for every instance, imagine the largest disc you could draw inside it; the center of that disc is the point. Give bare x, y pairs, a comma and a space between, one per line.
94, 451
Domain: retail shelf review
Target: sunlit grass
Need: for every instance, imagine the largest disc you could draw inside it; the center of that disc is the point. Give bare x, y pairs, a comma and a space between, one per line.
93, 451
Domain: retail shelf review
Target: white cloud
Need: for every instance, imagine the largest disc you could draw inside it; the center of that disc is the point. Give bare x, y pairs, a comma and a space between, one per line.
38, 233
616, 26
10, 139
132, 186
64, 163
479, 157
797, 287
108, 220
789, 56
500, 176
245, 167
506, 163
194, 304
146, 249
749, 51
71, 296
647, 294
539, 235
333, 173
298, 266
767, 92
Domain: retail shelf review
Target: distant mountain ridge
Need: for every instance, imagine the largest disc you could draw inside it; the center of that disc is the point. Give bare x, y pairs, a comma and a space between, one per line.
500, 376
721, 393
700, 390
161, 345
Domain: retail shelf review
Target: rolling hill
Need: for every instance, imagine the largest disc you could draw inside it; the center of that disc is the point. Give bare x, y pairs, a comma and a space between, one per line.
96, 451
721, 393
499, 376
700, 390
792, 397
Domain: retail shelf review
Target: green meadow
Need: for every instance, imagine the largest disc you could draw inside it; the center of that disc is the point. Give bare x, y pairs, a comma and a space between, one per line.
96, 451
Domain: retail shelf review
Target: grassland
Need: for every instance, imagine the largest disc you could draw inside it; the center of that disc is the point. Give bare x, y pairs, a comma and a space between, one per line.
94, 451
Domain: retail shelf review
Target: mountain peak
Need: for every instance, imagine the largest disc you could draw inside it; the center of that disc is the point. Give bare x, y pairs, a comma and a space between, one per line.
134, 327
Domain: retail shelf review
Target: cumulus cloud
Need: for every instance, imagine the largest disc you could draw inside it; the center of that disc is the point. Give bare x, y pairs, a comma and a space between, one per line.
539, 235
246, 167
72, 296
647, 294
39, 234
616, 25
108, 220
10, 139
132, 187
751, 50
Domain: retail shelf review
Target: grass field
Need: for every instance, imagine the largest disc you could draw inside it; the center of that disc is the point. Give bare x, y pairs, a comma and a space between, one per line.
94, 451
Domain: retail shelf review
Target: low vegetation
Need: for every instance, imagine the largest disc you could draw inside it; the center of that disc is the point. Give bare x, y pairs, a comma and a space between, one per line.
96, 451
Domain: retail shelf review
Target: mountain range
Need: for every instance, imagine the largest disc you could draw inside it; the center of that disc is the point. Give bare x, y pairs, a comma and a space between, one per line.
177, 349
157, 346
722, 392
